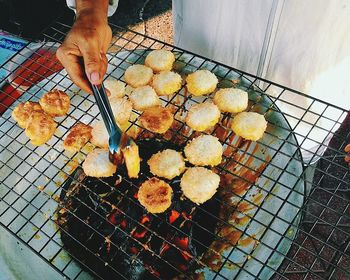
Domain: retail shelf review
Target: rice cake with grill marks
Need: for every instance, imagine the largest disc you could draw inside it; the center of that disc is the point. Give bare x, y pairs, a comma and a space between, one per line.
22, 112
77, 137
40, 127
231, 100
55, 102
155, 195
121, 109
115, 87
99, 135
157, 119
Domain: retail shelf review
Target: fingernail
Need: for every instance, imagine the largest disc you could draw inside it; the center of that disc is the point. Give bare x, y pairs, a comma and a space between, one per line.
94, 77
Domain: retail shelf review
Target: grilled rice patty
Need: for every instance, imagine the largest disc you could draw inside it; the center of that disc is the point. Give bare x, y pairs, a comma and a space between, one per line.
77, 137
202, 116
231, 100
143, 98
160, 60
201, 82
115, 87
249, 125
99, 135
155, 195
138, 75
199, 184
40, 127
204, 150
121, 108
55, 102
167, 164
97, 164
166, 82
23, 110
157, 119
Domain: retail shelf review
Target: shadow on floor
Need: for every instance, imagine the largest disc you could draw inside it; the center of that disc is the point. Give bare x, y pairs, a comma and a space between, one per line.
16, 18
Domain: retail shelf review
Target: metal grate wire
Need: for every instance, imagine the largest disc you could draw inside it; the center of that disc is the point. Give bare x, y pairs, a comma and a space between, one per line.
32, 177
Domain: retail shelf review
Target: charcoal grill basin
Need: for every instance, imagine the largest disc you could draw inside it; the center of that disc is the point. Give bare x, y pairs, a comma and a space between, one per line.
271, 222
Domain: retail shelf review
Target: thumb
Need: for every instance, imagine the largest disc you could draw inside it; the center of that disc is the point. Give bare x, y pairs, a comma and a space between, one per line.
93, 65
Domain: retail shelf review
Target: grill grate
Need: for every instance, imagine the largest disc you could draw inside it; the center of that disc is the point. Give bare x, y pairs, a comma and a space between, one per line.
286, 212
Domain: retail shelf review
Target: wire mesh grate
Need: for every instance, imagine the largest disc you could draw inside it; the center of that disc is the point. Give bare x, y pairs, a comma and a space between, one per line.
283, 207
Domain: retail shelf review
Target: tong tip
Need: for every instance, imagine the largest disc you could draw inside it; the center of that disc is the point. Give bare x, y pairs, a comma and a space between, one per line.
116, 158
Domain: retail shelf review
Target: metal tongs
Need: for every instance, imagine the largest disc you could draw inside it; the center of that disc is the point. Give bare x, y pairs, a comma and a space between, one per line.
118, 140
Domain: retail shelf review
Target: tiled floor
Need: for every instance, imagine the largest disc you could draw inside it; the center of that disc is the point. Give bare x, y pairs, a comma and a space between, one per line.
149, 17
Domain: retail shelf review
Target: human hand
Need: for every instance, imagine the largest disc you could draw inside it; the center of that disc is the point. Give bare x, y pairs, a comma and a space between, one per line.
83, 52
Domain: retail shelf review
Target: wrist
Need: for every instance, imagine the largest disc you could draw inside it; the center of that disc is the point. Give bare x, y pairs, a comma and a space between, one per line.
92, 10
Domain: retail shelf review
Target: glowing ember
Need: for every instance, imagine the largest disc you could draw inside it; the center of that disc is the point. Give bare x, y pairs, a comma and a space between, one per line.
164, 248
145, 219
181, 242
173, 216
139, 235
112, 218
133, 250
123, 224
186, 256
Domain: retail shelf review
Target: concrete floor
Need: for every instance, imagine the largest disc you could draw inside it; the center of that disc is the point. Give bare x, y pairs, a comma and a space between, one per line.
148, 17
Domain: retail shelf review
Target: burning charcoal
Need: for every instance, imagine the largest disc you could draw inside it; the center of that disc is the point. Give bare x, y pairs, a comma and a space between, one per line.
107, 229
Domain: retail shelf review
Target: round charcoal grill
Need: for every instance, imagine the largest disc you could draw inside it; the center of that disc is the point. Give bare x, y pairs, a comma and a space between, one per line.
83, 228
